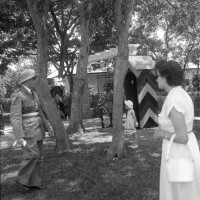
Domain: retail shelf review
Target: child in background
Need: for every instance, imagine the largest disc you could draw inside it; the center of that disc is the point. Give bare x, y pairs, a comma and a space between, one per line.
131, 123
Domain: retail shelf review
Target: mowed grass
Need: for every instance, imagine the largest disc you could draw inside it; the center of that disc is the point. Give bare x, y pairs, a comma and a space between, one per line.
85, 174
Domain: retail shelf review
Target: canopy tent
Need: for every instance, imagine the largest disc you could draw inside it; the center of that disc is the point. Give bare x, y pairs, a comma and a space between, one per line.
136, 62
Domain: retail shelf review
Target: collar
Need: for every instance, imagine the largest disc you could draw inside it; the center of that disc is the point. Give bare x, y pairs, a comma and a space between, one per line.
28, 89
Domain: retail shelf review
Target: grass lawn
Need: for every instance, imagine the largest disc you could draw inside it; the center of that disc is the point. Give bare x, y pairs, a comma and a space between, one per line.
84, 173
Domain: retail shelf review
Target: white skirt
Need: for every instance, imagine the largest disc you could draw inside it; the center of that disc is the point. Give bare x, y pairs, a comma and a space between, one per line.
181, 191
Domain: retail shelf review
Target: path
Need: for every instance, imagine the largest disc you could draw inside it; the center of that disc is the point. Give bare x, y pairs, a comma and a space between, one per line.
94, 134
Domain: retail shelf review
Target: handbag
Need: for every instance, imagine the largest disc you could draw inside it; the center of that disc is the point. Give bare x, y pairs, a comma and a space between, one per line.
179, 169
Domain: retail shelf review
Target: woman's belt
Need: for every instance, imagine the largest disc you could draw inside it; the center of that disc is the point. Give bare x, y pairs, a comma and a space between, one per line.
190, 131
32, 114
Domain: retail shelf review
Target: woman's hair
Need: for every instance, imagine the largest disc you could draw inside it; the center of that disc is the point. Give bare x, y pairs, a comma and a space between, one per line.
171, 70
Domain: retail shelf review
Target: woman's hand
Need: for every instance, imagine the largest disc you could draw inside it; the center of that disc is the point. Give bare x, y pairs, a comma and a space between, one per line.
20, 143
51, 133
158, 133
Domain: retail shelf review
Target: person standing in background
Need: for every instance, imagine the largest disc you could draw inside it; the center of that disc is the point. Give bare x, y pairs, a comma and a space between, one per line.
109, 101
29, 126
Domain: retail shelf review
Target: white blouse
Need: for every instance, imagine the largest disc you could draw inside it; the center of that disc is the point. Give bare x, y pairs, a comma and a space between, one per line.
182, 102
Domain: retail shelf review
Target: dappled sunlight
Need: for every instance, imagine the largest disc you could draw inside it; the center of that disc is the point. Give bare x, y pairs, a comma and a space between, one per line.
7, 139
64, 165
111, 176
60, 180
146, 139
76, 150
128, 167
6, 143
10, 166
89, 138
73, 186
138, 150
142, 161
48, 141
84, 171
91, 150
155, 155
130, 174
9, 175
93, 128
65, 185
129, 171
119, 177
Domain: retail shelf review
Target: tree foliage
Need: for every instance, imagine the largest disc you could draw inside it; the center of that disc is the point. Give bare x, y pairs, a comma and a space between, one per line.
17, 33
63, 32
179, 22
10, 78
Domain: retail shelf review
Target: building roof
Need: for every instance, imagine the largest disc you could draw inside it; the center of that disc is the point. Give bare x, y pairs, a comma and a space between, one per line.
111, 53
141, 62
137, 62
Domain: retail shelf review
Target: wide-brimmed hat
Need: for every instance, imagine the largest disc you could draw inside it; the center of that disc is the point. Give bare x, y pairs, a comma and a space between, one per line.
129, 103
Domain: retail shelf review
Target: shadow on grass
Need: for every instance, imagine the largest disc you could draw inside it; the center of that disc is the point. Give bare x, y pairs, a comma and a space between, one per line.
85, 174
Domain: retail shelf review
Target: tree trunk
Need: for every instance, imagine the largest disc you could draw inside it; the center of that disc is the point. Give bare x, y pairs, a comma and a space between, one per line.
117, 146
86, 104
198, 64
39, 10
81, 74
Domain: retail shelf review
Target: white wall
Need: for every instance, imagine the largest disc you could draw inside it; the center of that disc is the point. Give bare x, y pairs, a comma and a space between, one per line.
98, 81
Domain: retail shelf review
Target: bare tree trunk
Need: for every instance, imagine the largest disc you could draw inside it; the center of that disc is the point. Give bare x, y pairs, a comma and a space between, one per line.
81, 75
39, 10
187, 57
198, 64
117, 147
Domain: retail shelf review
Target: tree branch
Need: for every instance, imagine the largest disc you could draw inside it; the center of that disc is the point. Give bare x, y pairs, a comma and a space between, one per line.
117, 14
172, 5
55, 20
129, 15
187, 56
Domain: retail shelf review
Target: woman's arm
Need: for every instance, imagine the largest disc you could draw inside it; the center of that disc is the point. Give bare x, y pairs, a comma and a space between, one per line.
178, 122
134, 117
179, 125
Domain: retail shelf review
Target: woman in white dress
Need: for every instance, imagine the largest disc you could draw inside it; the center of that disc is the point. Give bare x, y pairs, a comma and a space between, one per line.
176, 117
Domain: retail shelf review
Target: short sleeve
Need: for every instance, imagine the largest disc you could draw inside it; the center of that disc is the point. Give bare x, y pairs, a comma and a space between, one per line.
177, 102
179, 99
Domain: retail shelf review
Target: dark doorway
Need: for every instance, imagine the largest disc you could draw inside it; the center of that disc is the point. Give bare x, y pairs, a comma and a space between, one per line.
130, 90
